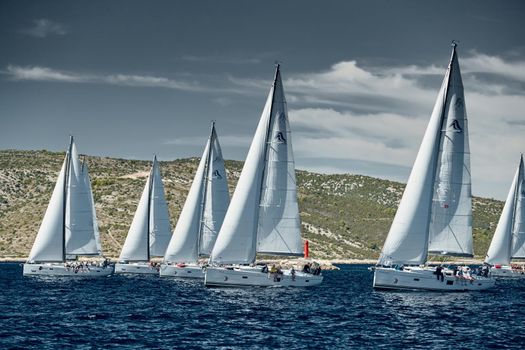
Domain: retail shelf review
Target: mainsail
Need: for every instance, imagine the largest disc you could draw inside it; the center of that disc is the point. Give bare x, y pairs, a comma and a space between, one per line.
509, 238
203, 212
160, 228
92, 204
150, 229
80, 229
518, 230
440, 174
216, 198
263, 214
451, 218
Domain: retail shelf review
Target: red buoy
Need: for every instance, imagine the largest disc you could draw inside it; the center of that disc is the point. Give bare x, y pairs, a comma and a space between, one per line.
306, 249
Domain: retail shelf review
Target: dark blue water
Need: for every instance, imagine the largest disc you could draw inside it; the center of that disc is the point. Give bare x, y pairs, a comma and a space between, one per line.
345, 312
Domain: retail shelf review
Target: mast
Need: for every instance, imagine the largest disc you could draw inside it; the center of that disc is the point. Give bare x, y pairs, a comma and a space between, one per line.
64, 206
205, 190
265, 152
149, 205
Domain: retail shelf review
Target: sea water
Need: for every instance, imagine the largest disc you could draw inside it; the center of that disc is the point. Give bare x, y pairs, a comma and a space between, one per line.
121, 312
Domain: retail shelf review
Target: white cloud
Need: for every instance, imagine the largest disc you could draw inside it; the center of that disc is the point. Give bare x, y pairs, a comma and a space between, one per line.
47, 74
44, 27
326, 133
43, 74
481, 63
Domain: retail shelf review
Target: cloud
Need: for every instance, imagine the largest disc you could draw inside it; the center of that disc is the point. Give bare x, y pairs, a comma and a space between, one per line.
43, 74
481, 63
326, 133
47, 74
44, 27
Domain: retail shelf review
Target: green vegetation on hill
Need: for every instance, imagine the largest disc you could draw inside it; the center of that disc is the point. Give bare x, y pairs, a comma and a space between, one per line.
343, 216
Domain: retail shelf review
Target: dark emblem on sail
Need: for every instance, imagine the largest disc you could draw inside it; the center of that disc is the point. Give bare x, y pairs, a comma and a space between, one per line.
217, 175
280, 138
455, 125
459, 103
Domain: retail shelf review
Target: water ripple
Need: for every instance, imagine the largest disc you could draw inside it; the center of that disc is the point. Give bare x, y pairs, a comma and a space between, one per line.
345, 312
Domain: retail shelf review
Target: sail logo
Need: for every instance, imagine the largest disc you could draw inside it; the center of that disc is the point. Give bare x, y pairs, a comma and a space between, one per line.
455, 125
217, 175
280, 138
459, 103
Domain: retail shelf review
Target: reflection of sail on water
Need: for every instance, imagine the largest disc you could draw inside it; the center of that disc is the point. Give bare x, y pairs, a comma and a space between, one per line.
263, 215
203, 212
435, 211
509, 238
150, 229
69, 226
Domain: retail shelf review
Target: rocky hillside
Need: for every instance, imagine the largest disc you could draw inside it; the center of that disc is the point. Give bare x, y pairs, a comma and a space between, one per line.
343, 216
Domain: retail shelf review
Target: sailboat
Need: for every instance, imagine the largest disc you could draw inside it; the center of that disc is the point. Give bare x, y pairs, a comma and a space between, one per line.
435, 212
201, 217
508, 241
263, 215
69, 228
150, 230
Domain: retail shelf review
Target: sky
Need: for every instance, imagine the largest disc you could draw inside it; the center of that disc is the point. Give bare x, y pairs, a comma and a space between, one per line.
131, 79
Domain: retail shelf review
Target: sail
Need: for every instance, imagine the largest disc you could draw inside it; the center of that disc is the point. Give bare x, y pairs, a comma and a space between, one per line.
92, 203
136, 245
518, 230
216, 196
500, 249
183, 246
48, 245
407, 240
236, 242
279, 225
450, 230
80, 232
160, 229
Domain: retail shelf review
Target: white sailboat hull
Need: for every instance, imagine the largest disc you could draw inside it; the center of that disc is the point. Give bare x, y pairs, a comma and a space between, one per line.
186, 271
58, 269
425, 279
506, 272
253, 276
142, 268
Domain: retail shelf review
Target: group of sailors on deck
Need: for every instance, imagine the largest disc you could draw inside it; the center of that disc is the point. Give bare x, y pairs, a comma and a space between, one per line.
85, 265
462, 272
276, 271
